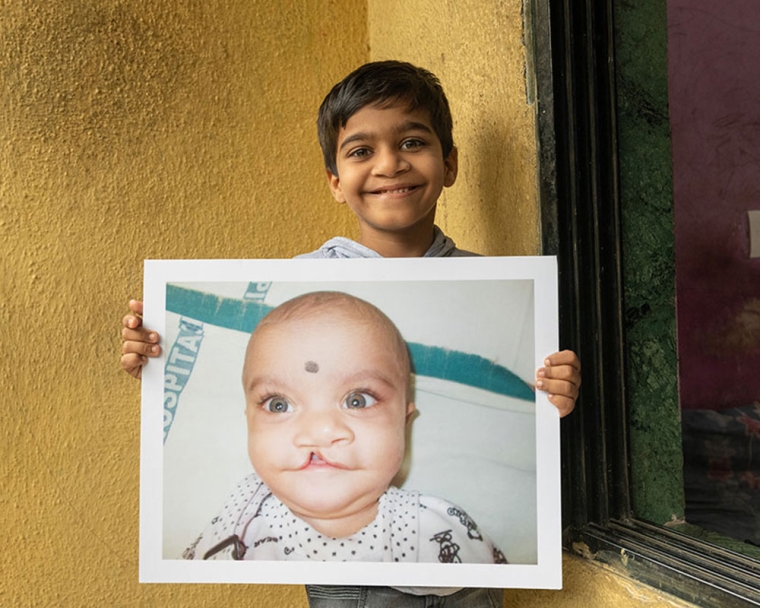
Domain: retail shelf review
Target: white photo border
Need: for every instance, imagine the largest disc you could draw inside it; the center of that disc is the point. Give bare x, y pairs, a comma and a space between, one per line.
545, 574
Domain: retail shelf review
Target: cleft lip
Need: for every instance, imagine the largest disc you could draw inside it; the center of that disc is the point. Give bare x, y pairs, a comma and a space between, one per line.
318, 460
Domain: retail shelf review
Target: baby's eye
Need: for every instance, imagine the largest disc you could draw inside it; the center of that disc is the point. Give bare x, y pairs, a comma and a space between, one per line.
277, 405
358, 401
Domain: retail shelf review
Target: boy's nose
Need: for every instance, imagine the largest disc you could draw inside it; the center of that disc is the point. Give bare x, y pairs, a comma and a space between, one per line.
389, 162
322, 429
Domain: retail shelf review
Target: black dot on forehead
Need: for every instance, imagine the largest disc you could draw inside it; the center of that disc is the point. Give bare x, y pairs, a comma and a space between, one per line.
311, 367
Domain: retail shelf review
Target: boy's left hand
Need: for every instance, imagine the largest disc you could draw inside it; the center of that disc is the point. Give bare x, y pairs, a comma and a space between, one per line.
561, 378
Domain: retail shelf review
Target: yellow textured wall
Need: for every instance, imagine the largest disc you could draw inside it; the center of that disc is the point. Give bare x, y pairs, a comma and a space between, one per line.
186, 129
130, 130
476, 49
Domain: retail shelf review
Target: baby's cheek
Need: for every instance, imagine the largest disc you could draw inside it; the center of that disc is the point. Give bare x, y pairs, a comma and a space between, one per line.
258, 443
251, 451
395, 456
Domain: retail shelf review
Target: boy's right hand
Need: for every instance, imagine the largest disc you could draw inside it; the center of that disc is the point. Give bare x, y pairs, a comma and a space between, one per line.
139, 343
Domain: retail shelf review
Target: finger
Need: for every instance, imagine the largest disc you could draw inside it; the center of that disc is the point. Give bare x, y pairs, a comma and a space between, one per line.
136, 306
134, 320
564, 357
565, 405
131, 321
560, 372
139, 335
133, 363
140, 348
561, 388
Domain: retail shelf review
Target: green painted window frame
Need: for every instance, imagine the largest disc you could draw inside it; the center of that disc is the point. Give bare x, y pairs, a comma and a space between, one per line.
583, 161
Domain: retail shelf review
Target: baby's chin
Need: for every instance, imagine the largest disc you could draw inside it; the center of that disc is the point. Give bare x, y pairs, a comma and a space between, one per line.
334, 517
329, 507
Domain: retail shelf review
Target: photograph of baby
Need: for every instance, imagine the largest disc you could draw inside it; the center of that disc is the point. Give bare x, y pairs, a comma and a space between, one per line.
346, 421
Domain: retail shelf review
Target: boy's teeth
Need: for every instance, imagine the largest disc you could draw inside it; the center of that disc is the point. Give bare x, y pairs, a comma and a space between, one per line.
396, 190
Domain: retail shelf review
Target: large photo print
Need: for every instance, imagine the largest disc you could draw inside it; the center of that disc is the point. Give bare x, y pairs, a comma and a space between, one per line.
366, 421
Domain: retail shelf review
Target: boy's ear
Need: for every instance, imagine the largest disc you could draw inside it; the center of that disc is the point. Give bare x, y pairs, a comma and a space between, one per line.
334, 182
450, 167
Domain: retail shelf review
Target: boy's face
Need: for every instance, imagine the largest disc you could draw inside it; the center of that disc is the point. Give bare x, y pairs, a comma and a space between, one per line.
326, 403
391, 169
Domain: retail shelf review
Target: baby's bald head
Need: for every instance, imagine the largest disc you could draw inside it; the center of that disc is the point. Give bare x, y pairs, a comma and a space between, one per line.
339, 306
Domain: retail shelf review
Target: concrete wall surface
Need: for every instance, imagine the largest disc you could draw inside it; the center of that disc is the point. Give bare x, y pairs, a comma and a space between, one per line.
476, 49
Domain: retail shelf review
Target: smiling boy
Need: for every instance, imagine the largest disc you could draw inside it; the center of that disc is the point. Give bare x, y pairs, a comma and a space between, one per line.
385, 133
388, 170
327, 387
386, 137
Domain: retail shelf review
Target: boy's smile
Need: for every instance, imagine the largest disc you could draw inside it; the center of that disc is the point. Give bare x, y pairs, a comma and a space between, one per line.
391, 171
326, 444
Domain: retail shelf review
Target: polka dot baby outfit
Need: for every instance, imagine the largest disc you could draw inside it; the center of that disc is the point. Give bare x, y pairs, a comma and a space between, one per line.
254, 524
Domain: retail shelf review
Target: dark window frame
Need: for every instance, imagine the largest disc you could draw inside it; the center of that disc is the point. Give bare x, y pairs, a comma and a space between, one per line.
574, 62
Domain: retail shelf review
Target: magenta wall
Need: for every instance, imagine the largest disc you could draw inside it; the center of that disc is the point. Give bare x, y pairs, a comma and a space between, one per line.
714, 92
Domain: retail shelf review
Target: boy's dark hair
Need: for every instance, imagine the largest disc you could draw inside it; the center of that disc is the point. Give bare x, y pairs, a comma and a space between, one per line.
378, 83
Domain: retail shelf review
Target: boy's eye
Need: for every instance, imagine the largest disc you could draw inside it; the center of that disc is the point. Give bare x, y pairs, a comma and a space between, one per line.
359, 152
358, 401
410, 144
277, 405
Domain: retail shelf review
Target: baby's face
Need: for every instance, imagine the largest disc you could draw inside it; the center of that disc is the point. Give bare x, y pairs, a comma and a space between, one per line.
326, 402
